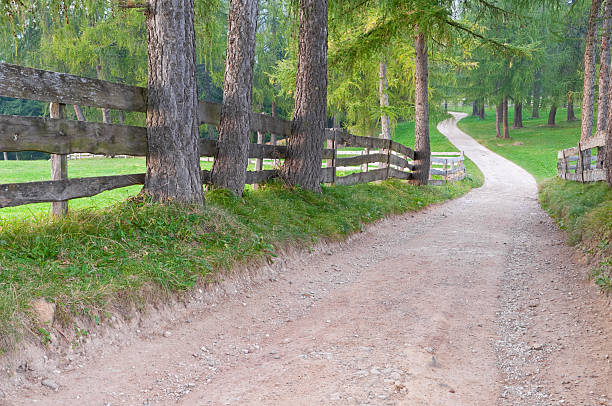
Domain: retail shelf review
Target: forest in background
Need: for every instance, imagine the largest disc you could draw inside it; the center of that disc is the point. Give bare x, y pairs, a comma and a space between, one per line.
530, 55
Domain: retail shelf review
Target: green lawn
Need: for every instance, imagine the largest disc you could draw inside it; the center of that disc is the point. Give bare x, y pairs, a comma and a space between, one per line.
533, 147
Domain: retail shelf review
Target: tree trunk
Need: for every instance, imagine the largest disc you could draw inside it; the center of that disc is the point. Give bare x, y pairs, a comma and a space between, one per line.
518, 115
499, 118
604, 69
535, 112
505, 117
5, 156
232, 157
305, 145
422, 151
475, 111
552, 115
482, 110
571, 115
106, 113
173, 158
588, 93
78, 111
384, 99
608, 159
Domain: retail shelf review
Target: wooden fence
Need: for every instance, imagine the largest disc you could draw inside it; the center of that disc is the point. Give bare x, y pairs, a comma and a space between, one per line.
61, 137
584, 163
447, 166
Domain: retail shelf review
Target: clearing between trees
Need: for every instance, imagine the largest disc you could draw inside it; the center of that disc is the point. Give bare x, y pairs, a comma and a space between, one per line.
473, 302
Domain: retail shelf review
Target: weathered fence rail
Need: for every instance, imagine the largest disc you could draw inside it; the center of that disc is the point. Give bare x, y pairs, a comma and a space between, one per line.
62, 137
448, 166
584, 163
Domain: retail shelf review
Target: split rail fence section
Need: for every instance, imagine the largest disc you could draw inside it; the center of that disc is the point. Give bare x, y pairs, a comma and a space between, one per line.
584, 163
61, 137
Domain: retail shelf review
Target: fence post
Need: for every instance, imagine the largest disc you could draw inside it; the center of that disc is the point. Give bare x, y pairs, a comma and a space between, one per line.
445, 169
389, 152
59, 163
258, 161
334, 146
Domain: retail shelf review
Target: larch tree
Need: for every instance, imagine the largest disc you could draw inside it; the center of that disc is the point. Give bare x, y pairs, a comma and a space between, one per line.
604, 69
588, 93
231, 158
422, 149
173, 158
384, 99
305, 144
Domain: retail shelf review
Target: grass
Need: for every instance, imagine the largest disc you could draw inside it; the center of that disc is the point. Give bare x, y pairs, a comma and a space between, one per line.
583, 210
129, 253
533, 147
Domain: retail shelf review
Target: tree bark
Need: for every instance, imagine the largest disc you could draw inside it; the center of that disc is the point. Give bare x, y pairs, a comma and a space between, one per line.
422, 151
384, 99
482, 110
505, 117
588, 94
499, 118
535, 112
571, 115
173, 159
518, 115
475, 111
604, 69
106, 113
305, 145
232, 157
552, 115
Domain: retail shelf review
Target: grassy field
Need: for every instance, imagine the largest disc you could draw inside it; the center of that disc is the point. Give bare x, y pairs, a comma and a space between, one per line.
583, 210
533, 147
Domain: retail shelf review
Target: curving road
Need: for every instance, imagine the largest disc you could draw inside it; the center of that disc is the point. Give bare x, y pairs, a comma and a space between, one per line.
472, 302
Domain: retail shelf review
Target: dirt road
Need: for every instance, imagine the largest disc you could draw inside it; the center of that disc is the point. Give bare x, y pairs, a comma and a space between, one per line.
473, 302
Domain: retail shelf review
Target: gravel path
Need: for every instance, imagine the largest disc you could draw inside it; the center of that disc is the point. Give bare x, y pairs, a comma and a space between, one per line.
473, 302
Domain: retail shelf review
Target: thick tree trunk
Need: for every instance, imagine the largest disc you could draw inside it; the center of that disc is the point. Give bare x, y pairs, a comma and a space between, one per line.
384, 99
232, 157
482, 111
422, 151
571, 115
305, 145
588, 93
552, 115
518, 115
604, 69
475, 111
505, 118
173, 158
499, 118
